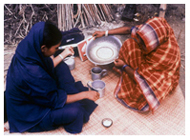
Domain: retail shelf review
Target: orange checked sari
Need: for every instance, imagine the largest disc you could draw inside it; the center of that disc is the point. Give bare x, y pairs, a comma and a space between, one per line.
156, 67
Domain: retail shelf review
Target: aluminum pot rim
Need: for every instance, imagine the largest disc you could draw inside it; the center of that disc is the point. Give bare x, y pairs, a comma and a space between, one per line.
103, 63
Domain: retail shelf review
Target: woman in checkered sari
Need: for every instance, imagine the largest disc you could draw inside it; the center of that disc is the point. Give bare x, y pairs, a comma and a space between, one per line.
149, 64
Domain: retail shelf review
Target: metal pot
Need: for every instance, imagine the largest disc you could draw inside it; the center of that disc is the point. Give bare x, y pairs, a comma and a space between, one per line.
104, 50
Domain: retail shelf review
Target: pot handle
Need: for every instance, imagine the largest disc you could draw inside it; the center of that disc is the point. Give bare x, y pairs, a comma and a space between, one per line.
90, 87
104, 72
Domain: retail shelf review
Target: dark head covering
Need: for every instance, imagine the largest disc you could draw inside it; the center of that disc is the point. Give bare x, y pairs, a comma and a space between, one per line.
29, 49
31, 90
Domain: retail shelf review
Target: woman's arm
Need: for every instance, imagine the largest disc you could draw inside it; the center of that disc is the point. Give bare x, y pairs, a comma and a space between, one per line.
92, 95
63, 55
117, 31
119, 64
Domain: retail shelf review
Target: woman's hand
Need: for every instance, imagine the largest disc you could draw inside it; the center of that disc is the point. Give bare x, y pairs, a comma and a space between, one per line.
92, 95
97, 34
68, 51
119, 63
117, 70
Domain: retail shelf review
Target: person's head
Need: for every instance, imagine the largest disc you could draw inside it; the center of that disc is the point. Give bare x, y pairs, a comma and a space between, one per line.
152, 34
51, 39
141, 42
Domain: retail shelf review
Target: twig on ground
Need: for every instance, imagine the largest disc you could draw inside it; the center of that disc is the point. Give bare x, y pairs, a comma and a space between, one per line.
179, 35
182, 59
77, 15
19, 27
10, 11
183, 66
33, 12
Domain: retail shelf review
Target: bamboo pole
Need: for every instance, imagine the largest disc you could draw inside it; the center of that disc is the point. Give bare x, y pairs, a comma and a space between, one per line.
87, 15
162, 10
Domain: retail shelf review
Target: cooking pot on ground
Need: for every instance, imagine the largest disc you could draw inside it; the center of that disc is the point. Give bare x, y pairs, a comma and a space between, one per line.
104, 50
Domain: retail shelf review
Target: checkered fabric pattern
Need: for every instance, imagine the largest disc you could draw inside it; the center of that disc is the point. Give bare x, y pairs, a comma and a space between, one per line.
154, 32
160, 67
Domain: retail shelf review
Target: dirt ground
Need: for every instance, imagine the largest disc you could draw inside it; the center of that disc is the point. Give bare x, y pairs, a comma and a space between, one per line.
176, 18
175, 15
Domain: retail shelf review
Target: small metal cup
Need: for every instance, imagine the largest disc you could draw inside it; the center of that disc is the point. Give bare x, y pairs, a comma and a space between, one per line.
98, 73
70, 61
97, 85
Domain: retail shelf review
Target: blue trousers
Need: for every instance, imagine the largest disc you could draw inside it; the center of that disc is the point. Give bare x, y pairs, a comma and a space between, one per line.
71, 116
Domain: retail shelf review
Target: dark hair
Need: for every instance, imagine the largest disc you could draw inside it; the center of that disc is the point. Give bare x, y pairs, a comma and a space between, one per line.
51, 35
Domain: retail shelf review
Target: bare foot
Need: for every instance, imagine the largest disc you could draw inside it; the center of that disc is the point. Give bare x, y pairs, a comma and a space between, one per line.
5, 129
6, 126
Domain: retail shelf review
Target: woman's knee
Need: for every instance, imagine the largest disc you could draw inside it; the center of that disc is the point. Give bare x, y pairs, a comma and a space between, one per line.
63, 74
67, 114
73, 111
76, 113
61, 67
